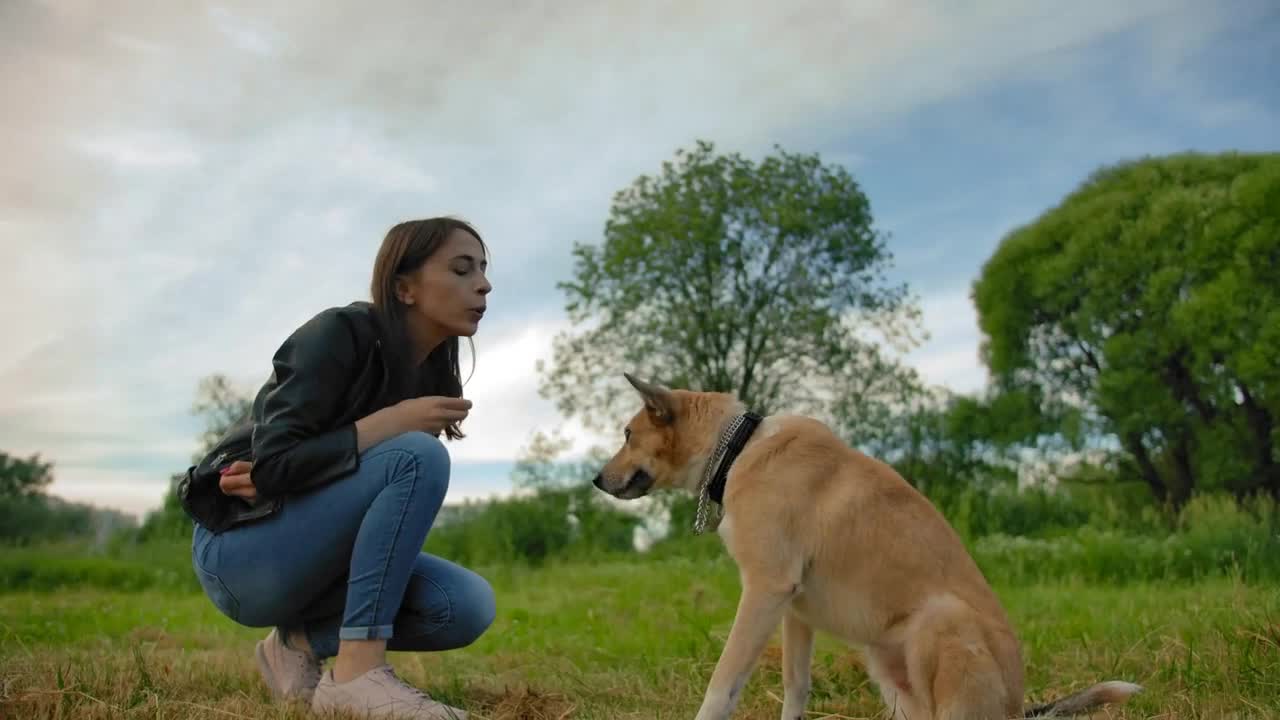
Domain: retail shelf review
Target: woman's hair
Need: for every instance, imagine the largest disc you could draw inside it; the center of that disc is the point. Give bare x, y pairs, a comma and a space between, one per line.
404, 249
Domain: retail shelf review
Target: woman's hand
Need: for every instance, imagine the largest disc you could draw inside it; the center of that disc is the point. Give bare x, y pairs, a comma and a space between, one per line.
235, 480
432, 413
425, 414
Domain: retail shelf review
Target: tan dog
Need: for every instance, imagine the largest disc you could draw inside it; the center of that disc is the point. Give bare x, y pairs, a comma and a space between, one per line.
827, 538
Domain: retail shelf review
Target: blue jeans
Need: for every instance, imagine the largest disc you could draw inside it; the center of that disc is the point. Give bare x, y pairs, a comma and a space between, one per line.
345, 561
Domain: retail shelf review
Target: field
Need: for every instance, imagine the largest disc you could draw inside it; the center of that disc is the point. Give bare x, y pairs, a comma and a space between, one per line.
126, 636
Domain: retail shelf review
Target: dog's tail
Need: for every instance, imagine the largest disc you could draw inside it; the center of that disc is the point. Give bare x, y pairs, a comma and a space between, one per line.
1095, 696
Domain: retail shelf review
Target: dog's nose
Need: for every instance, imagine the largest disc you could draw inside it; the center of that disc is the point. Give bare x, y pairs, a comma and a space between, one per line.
599, 481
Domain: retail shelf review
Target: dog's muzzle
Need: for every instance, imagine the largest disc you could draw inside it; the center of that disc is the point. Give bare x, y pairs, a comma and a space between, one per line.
636, 486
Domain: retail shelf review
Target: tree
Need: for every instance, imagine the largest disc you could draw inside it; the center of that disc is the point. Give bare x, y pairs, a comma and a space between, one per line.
722, 274
21, 477
221, 405
25, 510
28, 514
1146, 304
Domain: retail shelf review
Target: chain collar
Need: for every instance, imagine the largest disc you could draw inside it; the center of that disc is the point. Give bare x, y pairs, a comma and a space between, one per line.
732, 435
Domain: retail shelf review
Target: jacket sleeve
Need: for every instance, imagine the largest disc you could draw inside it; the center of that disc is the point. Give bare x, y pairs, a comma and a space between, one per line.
293, 443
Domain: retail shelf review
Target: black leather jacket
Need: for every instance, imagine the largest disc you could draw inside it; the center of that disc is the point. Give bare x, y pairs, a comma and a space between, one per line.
301, 432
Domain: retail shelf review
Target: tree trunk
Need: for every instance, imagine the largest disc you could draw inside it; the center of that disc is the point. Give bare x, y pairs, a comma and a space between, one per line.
1133, 444
1183, 477
1261, 424
1185, 390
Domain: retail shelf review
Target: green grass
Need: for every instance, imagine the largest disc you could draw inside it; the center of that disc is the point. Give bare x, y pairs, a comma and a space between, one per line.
633, 638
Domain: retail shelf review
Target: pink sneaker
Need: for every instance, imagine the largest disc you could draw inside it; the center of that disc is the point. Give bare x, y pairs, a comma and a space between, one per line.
379, 693
291, 674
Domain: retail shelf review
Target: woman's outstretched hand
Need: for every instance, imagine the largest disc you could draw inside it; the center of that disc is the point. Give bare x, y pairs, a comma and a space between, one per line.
235, 480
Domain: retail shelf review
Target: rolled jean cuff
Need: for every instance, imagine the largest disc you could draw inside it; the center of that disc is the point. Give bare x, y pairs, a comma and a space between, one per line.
368, 632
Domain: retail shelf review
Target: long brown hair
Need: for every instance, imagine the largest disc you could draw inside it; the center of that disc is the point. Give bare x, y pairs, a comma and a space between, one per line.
405, 248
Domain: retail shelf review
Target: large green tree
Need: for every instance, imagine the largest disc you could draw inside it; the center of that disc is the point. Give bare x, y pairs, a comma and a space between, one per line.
1147, 305
762, 278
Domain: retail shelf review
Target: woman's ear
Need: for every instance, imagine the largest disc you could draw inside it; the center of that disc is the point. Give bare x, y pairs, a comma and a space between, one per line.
404, 291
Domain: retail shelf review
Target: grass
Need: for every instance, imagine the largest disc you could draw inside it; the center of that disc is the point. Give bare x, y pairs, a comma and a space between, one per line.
627, 639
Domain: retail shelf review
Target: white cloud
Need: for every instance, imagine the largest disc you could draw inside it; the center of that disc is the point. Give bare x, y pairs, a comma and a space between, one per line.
506, 408
244, 34
382, 169
950, 355
140, 151
130, 491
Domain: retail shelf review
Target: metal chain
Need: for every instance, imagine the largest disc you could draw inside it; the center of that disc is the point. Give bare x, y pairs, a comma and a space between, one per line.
700, 522
704, 498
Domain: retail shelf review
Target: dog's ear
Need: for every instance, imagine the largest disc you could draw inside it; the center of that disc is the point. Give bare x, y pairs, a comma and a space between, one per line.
657, 399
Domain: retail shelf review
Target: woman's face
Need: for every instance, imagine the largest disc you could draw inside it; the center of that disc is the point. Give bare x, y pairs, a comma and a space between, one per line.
447, 294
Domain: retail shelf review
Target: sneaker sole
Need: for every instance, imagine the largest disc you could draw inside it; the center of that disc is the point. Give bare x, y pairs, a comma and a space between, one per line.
268, 676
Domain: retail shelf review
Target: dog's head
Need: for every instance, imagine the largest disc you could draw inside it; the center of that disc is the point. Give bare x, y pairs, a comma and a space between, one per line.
662, 441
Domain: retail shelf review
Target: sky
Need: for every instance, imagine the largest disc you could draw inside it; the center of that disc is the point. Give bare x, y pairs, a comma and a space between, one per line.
185, 183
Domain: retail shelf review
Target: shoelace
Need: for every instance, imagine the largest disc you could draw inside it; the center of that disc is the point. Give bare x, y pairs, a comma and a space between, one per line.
413, 690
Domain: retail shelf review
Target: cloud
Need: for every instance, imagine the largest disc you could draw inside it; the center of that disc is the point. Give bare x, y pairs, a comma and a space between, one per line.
185, 184
131, 491
245, 34
949, 357
139, 152
507, 409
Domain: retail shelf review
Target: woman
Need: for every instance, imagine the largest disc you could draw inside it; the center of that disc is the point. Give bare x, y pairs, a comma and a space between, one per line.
346, 479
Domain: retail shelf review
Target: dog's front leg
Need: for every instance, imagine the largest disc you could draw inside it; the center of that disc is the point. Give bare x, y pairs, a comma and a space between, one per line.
797, 654
758, 614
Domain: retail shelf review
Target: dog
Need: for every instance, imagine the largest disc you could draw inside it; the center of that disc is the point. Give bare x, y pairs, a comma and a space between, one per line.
828, 539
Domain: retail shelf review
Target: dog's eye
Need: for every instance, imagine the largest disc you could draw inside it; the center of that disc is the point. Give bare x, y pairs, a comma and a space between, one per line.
626, 434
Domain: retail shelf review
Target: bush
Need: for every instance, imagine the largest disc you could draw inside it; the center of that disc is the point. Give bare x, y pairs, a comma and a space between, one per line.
1214, 536
38, 518
1006, 510
1017, 538
1037, 535
560, 522
117, 566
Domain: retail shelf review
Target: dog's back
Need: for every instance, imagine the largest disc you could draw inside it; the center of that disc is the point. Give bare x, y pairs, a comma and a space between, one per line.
853, 516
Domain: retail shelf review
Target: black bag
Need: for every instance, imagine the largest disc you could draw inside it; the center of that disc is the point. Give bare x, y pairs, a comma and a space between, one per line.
199, 493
